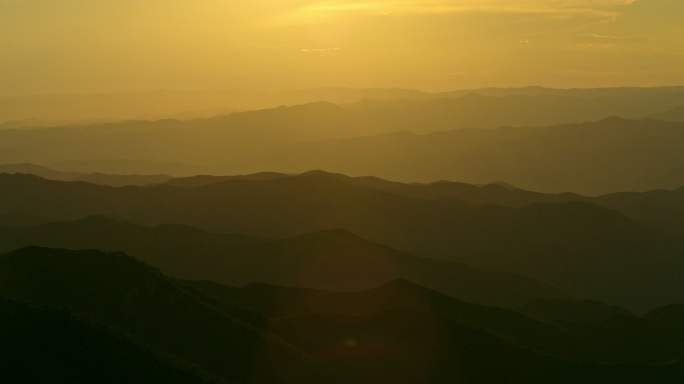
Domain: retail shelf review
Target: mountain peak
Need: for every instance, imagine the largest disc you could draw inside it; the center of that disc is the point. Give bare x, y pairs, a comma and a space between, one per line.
321, 173
613, 120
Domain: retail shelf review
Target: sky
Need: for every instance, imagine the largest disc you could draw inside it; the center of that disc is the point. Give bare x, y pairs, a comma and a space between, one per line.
80, 46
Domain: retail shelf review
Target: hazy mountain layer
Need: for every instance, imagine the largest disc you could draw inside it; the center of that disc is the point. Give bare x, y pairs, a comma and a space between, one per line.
446, 341
610, 155
40, 345
94, 178
42, 110
36, 111
572, 329
583, 248
124, 293
335, 260
414, 140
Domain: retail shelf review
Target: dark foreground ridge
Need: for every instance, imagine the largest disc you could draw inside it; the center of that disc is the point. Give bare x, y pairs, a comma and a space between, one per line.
612, 248
381, 335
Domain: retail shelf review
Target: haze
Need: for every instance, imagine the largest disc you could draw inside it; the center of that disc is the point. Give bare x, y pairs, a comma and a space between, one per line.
74, 46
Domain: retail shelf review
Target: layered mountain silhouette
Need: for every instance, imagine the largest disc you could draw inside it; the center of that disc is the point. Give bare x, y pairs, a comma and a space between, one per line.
574, 329
674, 114
42, 344
94, 178
409, 140
38, 111
608, 155
45, 110
395, 332
588, 250
334, 260
124, 293
336, 235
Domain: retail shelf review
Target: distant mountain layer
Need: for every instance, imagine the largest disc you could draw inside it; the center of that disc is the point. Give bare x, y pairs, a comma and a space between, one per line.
334, 260
42, 110
565, 240
409, 140
37, 111
398, 332
674, 114
94, 178
610, 155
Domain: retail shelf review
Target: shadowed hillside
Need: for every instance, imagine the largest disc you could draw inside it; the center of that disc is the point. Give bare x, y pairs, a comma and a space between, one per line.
409, 140
609, 155
40, 345
445, 342
588, 250
336, 260
122, 292
94, 178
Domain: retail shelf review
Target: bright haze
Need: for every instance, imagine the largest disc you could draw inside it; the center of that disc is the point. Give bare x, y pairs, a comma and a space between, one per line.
84, 46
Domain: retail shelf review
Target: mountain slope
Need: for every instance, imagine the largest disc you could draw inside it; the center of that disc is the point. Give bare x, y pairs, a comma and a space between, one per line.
94, 178
336, 260
122, 292
285, 302
385, 345
40, 344
598, 157
588, 250
413, 347
420, 140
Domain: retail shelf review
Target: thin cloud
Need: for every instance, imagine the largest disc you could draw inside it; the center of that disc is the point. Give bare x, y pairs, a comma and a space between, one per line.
328, 7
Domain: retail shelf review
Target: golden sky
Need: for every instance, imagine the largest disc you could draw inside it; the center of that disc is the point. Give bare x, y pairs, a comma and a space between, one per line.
49, 46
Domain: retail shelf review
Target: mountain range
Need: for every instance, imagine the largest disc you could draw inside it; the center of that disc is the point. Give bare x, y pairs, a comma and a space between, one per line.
579, 246
395, 332
333, 260
335, 235
410, 140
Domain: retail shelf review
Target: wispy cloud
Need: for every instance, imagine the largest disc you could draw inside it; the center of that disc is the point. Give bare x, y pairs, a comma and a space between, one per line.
328, 7
320, 51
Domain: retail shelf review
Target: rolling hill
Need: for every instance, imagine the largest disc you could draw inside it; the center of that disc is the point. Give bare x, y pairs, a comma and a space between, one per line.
591, 251
381, 335
128, 295
335, 260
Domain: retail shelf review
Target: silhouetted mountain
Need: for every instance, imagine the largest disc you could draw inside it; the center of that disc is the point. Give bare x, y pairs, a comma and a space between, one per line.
118, 166
658, 336
44, 345
409, 140
94, 178
37, 111
202, 180
335, 260
605, 156
628, 95
122, 180
18, 219
571, 310
674, 114
482, 110
122, 292
42, 110
451, 342
39, 170
591, 251
409, 346
172, 146
283, 302
445, 191
660, 208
